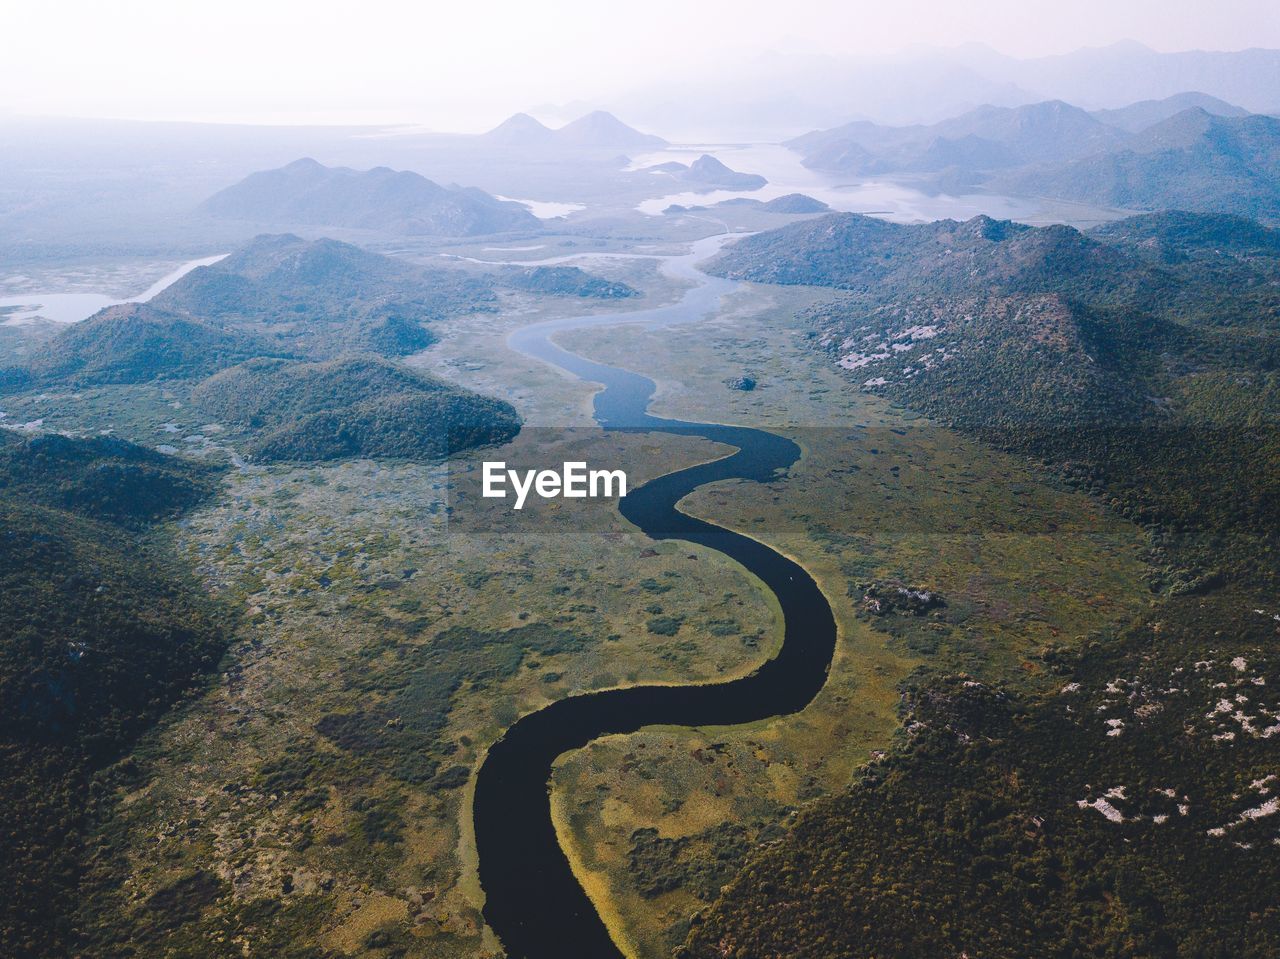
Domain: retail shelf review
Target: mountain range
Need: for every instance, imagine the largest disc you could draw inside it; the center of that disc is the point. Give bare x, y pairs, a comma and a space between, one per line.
592, 132
1055, 342
306, 192
1190, 151
778, 94
1136, 362
1191, 161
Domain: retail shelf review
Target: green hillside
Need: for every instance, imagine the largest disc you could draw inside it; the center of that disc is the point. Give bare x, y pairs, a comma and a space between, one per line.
132, 343
1140, 364
1089, 822
359, 406
1143, 354
100, 478
97, 638
322, 298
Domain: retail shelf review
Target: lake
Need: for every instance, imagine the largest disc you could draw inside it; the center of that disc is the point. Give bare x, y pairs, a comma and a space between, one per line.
74, 307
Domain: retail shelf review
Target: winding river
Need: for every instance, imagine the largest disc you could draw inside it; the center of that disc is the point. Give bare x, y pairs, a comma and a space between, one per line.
533, 901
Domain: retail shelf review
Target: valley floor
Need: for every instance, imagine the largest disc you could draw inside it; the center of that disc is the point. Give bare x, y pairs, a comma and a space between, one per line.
293, 807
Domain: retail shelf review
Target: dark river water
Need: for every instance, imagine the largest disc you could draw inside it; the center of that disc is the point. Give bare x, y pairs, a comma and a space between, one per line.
532, 900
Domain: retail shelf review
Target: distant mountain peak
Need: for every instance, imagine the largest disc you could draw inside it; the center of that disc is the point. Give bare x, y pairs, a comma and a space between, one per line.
597, 130
520, 127
525, 121
707, 164
597, 118
1128, 46
1139, 116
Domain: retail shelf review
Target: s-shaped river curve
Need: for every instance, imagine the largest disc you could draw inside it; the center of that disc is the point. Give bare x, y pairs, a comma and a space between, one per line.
533, 901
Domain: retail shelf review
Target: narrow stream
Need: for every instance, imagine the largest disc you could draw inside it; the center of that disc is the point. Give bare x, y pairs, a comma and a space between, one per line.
533, 901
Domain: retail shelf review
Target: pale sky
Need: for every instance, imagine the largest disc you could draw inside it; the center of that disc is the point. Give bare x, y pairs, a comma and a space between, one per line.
459, 65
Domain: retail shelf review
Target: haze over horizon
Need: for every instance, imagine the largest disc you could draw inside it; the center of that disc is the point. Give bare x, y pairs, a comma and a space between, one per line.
453, 70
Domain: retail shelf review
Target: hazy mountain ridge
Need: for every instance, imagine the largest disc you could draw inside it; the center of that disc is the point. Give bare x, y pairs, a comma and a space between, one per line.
596, 131
381, 199
985, 138
1137, 117
1191, 161
1186, 152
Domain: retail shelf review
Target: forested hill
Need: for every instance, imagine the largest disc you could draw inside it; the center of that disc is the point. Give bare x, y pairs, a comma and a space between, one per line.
98, 637
1140, 363
356, 406
319, 298
133, 343
1142, 360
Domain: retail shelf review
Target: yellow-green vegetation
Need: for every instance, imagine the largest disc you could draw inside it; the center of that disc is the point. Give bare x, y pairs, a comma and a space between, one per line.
388, 641
316, 801
658, 821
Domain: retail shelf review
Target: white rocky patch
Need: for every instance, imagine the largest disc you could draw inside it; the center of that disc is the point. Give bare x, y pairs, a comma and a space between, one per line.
856, 361
1268, 808
1104, 807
